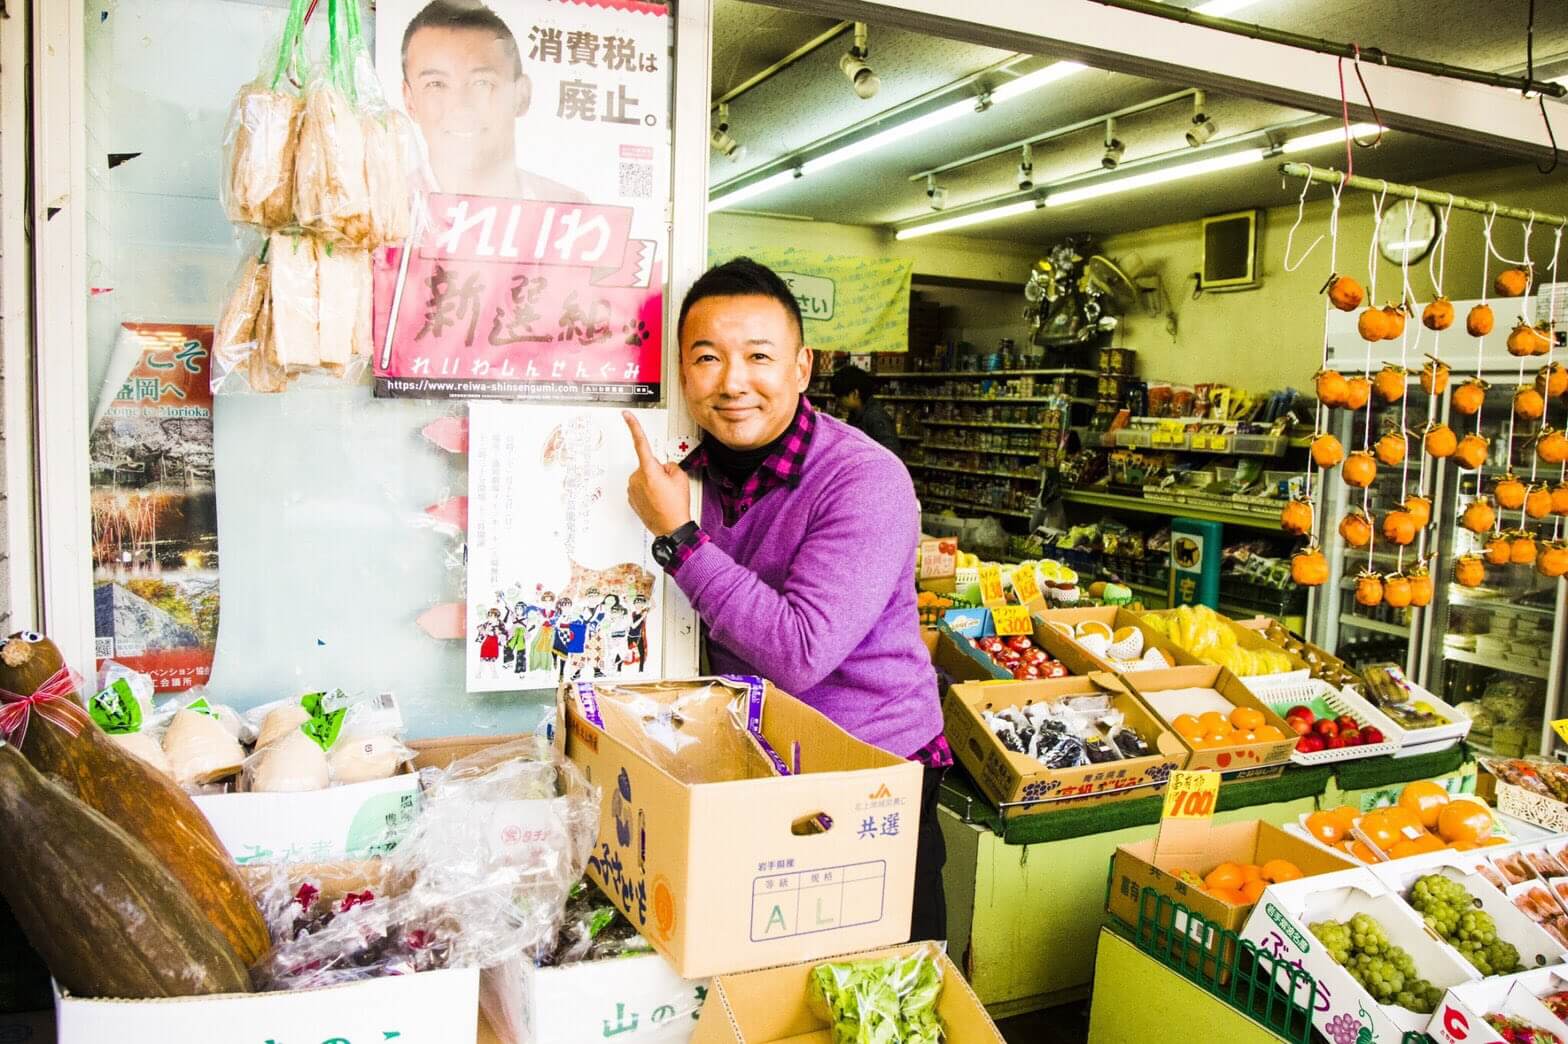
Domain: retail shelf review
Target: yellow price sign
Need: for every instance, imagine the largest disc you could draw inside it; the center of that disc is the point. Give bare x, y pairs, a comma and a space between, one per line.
1191, 795
1026, 584
991, 585
1012, 619
1560, 726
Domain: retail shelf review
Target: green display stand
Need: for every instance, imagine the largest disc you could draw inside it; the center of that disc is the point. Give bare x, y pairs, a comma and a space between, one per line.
1021, 919
1136, 998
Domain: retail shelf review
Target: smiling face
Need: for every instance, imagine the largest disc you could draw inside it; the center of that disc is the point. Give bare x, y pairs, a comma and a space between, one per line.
465, 90
743, 368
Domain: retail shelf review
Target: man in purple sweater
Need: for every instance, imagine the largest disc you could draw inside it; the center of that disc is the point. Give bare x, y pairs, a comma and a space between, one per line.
803, 567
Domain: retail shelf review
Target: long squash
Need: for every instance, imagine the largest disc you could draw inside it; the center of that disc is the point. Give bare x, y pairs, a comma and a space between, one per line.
142, 801
103, 913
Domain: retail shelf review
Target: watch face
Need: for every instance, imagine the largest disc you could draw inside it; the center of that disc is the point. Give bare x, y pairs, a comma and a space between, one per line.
663, 550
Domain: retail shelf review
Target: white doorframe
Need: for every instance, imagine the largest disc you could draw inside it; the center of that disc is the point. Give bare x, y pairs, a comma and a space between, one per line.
17, 514
58, 213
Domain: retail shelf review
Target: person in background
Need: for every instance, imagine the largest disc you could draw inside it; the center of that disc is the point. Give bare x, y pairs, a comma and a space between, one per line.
803, 569
856, 390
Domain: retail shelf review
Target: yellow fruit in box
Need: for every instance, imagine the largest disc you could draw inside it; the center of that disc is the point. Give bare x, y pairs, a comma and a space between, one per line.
1156, 624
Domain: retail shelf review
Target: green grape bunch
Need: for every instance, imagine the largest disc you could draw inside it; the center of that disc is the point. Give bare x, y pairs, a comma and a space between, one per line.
1387, 972
1452, 913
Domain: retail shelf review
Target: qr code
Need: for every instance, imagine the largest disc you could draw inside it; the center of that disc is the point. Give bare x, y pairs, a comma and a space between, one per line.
636, 180
103, 648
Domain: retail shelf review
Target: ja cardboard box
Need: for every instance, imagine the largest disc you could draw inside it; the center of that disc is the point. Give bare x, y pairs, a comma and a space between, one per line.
1278, 926
1080, 660
773, 1006
429, 1006
1137, 866
1235, 757
640, 1000
1461, 1016
1018, 784
736, 873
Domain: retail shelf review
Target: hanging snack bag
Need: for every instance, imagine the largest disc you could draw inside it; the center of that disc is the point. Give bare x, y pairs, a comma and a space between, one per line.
260, 138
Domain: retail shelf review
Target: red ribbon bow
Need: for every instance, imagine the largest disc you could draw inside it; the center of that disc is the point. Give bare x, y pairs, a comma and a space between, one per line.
16, 710
354, 899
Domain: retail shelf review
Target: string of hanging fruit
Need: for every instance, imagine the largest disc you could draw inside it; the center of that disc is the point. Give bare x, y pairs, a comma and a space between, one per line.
1536, 499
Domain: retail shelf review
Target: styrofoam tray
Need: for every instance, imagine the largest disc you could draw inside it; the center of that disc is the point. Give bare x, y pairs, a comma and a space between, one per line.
1288, 692
1426, 739
1170, 703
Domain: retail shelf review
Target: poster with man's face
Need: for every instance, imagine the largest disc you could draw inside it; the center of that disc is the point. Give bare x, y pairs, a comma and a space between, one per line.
538, 270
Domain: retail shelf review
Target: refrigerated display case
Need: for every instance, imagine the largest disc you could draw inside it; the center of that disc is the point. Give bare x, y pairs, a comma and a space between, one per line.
1496, 651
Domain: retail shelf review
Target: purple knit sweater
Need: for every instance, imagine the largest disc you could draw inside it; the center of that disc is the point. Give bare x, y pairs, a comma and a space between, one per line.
813, 588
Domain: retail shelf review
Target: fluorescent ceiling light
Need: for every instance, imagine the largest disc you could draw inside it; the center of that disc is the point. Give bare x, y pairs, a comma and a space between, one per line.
1328, 137
1221, 8
756, 188
1035, 80
935, 118
963, 220
1156, 176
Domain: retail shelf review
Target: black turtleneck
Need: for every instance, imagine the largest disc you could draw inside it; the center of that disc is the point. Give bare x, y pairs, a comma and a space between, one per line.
738, 465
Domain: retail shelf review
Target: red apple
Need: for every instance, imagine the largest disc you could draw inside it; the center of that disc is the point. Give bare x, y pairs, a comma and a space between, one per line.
991, 644
1302, 726
1352, 737
1347, 722
1336, 742
1026, 673
1299, 711
1309, 744
1370, 735
1055, 669
1019, 643
1328, 728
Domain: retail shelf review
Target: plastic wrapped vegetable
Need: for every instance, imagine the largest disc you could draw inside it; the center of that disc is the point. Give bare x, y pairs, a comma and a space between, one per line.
344, 287
391, 157
295, 342
239, 331
330, 193
883, 1001
260, 139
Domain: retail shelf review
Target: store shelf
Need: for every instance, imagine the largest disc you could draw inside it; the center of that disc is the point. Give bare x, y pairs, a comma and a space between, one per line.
1004, 400
981, 509
1500, 603
1365, 624
978, 449
911, 438
976, 424
1465, 656
1155, 507
988, 374
972, 471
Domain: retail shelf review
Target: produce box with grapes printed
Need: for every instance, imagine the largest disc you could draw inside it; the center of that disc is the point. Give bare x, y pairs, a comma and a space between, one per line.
1380, 971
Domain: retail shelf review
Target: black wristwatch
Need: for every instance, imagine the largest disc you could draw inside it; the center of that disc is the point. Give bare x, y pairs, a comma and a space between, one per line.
665, 547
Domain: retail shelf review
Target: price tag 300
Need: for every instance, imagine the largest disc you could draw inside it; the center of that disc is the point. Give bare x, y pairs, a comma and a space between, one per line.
1191, 795
1012, 619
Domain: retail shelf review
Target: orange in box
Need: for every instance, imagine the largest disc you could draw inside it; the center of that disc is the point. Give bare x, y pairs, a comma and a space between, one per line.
1229, 758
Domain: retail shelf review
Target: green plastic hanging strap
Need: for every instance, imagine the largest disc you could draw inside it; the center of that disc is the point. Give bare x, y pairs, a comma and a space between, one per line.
334, 54
293, 40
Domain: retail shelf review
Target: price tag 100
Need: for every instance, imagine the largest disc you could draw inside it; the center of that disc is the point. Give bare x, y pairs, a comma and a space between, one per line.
991, 585
1010, 620
1191, 795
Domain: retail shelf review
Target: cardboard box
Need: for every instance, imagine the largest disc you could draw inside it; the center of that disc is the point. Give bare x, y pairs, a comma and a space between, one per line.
772, 1006
1278, 925
1274, 753
430, 1006
1134, 868
626, 999
727, 873
1080, 660
1461, 1017
1021, 785
348, 822
962, 662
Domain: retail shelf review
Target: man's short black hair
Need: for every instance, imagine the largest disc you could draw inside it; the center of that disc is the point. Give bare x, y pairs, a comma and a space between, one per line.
742, 277
848, 379
463, 14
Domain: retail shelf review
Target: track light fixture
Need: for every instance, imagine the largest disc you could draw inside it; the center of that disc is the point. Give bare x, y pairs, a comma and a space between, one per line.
935, 193
1203, 127
1114, 149
860, 75
1026, 170
721, 139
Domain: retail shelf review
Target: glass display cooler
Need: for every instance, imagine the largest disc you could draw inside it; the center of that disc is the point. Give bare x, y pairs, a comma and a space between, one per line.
1495, 651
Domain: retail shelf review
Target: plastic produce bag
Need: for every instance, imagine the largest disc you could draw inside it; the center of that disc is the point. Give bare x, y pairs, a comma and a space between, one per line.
330, 192
891, 1000
239, 330
261, 136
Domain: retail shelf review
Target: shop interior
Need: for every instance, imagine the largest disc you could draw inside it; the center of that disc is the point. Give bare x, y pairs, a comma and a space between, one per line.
1192, 386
